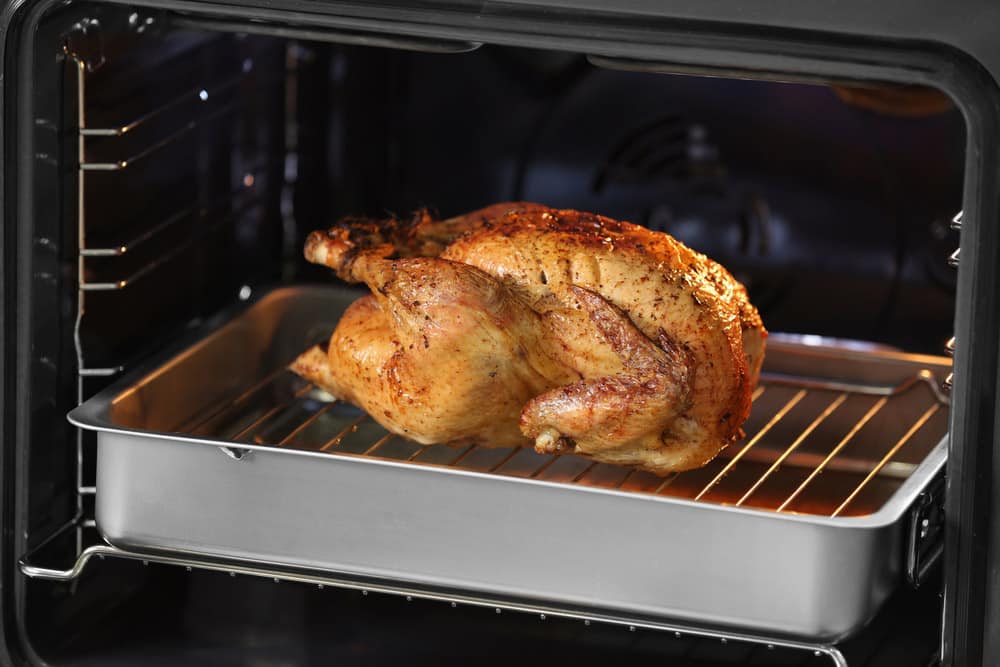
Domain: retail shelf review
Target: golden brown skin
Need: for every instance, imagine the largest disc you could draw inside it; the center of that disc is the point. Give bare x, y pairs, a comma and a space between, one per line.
642, 351
619, 409
440, 352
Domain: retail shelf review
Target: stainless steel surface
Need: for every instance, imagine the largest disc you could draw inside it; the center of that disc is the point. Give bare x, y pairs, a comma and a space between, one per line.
319, 486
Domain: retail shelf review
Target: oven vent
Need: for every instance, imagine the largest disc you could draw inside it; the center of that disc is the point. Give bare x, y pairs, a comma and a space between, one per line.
667, 148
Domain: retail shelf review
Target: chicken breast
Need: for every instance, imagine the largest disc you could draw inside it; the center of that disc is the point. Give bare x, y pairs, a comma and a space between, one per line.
639, 350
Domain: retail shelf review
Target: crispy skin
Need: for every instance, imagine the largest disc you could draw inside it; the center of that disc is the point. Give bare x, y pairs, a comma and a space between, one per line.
640, 351
667, 290
418, 236
440, 352
632, 404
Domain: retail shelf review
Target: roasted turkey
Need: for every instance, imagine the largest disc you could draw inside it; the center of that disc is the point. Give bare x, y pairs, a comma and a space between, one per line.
521, 323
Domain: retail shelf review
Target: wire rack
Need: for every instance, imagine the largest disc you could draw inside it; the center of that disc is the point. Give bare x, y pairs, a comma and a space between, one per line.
812, 447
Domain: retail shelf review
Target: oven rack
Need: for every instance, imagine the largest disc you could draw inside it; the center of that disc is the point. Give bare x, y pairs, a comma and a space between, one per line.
282, 573
778, 466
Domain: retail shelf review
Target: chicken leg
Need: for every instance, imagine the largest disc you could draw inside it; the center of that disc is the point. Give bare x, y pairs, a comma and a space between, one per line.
440, 352
628, 410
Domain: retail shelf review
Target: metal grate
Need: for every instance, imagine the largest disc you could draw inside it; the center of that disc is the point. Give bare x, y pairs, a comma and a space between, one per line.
812, 447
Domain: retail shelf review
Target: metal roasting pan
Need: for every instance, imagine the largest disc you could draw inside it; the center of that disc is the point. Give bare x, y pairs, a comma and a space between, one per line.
164, 486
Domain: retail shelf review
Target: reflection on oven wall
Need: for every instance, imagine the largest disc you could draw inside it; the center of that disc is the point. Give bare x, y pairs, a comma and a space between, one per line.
834, 212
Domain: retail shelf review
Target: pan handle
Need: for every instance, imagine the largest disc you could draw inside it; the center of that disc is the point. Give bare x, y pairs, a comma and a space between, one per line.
925, 543
236, 453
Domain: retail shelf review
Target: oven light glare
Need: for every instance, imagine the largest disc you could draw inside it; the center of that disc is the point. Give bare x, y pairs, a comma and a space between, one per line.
203, 95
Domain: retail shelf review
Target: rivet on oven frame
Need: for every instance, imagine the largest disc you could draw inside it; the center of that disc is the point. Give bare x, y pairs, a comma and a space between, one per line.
409, 598
631, 628
364, 592
541, 617
454, 604
497, 610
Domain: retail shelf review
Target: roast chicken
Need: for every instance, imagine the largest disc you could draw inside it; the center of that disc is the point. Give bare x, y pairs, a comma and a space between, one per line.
521, 324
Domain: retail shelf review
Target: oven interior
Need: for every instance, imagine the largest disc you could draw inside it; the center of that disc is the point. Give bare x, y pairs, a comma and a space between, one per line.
180, 161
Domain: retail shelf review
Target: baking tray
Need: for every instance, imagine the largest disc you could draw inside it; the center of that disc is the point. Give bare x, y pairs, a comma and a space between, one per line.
177, 472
